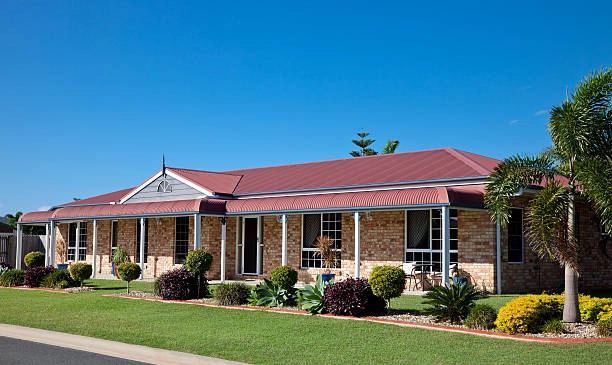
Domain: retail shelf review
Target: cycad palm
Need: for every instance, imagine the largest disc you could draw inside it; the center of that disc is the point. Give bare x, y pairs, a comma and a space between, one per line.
581, 133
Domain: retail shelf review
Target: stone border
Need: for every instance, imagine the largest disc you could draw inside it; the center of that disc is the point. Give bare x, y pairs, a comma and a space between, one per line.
435, 327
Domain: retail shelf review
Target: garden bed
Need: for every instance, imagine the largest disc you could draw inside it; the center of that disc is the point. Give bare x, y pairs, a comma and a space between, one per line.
577, 332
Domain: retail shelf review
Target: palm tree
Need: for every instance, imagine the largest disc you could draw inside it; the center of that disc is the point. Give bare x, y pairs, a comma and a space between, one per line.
581, 134
390, 147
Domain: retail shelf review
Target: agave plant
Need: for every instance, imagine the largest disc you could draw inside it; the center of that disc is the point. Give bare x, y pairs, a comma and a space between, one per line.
311, 297
267, 294
451, 303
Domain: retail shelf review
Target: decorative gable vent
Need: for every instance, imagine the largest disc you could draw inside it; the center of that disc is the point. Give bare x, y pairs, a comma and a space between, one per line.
164, 187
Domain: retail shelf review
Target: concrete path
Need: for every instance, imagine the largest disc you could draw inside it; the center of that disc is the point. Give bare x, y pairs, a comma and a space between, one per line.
109, 348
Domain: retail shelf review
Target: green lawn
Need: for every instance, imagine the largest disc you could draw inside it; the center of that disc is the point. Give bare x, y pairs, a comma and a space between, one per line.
272, 338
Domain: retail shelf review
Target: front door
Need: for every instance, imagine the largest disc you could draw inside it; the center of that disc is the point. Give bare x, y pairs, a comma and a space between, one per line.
250, 245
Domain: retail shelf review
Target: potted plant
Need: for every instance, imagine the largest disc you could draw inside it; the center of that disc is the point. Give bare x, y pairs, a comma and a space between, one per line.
119, 256
62, 250
458, 275
329, 255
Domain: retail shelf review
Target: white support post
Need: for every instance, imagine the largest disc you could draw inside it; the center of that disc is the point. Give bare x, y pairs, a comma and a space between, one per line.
76, 245
95, 247
498, 253
19, 248
142, 246
445, 245
197, 230
284, 240
356, 217
223, 239
52, 244
47, 245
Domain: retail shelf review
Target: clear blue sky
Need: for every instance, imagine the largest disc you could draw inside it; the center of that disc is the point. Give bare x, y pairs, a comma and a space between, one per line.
93, 92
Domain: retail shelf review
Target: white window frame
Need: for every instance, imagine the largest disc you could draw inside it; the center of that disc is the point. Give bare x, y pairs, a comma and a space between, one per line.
323, 233
430, 250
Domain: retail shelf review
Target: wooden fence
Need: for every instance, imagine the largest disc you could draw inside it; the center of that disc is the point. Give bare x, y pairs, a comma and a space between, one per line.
8, 246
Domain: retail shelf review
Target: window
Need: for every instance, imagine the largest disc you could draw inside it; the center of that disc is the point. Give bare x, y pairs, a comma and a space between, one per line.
114, 236
181, 243
77, 241
424, 237
164, 187
314, 225
515, 236
146, 241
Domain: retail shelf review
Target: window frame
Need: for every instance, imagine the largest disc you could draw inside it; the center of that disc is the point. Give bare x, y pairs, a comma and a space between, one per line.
184, 241
510, 235
426, 255
77, 243
114, 238
311, 261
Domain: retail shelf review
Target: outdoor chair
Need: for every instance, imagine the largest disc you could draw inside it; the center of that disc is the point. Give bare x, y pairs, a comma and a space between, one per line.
409, 270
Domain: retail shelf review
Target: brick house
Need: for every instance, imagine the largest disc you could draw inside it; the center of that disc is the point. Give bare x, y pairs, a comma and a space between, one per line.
424, 206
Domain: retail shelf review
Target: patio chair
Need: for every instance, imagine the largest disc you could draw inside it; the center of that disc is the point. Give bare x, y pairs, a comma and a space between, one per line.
409, 270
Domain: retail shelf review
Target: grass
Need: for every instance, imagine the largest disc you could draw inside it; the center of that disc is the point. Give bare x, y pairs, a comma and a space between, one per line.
262, 337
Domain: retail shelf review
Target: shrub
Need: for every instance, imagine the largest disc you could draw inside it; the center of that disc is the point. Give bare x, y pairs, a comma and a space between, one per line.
120, 255
606, 313
35, 275
128, 271
180, 284
284, 276
310, 297
58, 279
555, 326
352, 297
591, 307
157, 285
4, 267
527, 314
451, 303
387, 282
268, 294
481, 317
34, 259
13, 277
604, 328
232, 294
198, 262
80, 272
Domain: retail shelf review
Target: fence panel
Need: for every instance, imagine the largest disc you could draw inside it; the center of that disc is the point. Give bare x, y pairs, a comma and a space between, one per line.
8, 247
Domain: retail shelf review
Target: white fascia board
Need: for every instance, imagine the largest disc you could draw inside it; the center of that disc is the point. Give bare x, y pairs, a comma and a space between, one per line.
189, 183
140, 187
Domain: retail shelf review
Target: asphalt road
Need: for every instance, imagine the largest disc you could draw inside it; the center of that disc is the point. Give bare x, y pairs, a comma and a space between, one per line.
20, 352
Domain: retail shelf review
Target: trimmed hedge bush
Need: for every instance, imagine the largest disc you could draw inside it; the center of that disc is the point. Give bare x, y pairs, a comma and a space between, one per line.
180, 284
352, 297
481, 317
128, 271
387, 282
529, 313
284, 276
592, 308
13, 277
35, 275
80, 272
232, 294
59, 279
198, 262
34, 259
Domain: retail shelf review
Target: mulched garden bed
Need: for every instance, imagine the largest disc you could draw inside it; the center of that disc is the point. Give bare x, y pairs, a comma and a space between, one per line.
577, 332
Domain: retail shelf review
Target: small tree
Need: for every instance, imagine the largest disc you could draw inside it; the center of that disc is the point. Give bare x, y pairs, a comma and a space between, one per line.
34, 259
198, 262
128, 271
327, 252
120, 256
387, 282
80, 272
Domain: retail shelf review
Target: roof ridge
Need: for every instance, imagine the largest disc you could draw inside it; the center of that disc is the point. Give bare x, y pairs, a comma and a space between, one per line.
206, 171
468, 160
337, 159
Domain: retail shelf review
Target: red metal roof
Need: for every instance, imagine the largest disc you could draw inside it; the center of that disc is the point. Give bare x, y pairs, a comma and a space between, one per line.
210, 206
408, 167
471, 195
115, 196
216, 182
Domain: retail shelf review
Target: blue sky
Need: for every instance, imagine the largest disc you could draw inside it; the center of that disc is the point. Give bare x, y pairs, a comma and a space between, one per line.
93, 92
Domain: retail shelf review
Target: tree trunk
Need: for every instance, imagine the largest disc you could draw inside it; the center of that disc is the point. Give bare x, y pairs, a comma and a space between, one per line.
571, 313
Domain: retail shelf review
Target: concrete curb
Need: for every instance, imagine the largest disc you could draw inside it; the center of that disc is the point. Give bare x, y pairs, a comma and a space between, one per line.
110, 348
